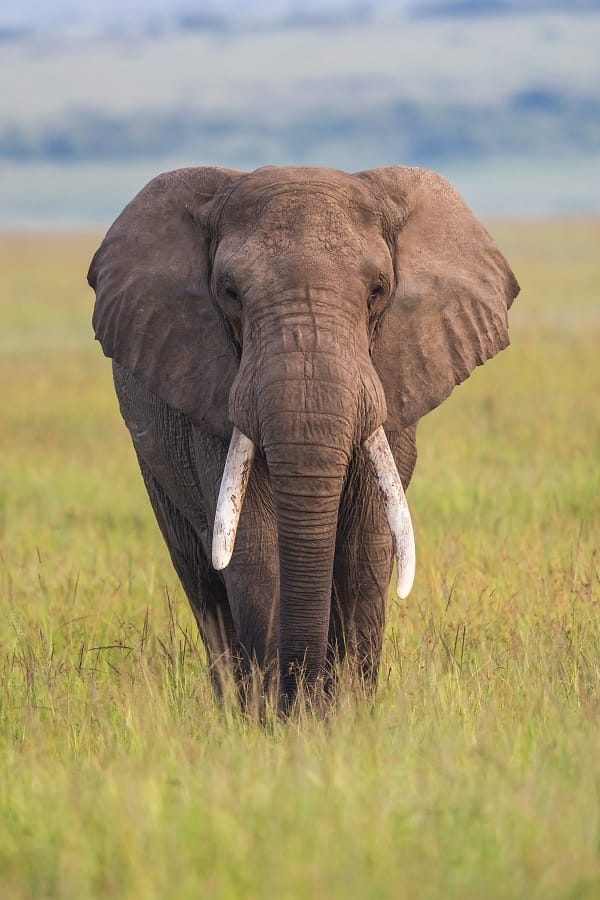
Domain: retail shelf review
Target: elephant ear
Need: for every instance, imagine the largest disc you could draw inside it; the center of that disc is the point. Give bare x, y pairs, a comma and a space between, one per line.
449, 311
154, 312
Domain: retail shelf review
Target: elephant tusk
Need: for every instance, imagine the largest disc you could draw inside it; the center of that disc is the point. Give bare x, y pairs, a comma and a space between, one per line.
396, 508
231, 497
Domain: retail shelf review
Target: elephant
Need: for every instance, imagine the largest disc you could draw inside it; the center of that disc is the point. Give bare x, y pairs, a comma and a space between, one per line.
275, 337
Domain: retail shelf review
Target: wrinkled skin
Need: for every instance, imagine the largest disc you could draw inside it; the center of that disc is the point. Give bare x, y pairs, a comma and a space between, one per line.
307, 307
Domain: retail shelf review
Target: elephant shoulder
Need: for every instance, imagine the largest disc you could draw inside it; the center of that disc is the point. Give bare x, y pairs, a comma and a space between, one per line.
164, 440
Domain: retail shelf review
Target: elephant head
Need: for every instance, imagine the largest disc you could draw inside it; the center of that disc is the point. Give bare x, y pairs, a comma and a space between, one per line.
302, 311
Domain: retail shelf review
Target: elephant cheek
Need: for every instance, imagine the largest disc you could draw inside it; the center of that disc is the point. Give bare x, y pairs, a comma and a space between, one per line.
372, 408
242, 404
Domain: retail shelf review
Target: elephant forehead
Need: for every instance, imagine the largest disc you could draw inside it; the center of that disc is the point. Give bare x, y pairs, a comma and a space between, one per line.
308, 235
311, 222
290, 202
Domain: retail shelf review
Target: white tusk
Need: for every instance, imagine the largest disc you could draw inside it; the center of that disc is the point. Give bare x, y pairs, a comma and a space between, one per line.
231, 497
396, 508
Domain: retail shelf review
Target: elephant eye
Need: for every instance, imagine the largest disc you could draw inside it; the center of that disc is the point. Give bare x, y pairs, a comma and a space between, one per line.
376, 292
231, 293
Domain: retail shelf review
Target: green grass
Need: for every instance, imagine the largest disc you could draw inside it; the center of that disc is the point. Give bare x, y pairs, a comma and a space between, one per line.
478, 772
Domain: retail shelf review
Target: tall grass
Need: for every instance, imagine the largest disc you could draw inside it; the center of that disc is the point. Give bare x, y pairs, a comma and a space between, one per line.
476, 774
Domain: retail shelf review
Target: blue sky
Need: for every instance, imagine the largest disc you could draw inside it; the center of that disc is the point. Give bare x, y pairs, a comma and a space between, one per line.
41, 12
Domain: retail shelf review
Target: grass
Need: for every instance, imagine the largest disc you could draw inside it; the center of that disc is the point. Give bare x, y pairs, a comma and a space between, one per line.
477, 773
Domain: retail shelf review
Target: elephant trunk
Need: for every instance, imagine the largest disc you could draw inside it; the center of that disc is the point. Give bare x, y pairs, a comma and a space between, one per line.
311, 414
307, 404
307, 484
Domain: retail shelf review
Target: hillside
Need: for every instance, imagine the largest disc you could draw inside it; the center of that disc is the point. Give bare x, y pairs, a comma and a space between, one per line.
444, 85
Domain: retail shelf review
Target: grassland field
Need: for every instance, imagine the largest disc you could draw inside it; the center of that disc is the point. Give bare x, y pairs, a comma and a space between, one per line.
477, 774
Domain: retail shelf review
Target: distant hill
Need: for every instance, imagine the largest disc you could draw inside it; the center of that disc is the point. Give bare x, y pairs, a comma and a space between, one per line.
439, 83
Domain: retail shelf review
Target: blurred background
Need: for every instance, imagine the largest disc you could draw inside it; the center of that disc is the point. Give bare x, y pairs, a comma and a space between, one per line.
501, 96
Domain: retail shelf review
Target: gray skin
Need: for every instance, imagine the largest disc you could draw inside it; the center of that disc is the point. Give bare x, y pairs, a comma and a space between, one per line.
307, 307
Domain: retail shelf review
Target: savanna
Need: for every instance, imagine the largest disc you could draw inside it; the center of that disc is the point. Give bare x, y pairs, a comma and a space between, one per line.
477, 771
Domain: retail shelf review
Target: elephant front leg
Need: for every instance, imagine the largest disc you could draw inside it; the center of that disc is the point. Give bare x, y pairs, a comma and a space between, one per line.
362, 573
203, 587
252, 578
363, 563
358, 618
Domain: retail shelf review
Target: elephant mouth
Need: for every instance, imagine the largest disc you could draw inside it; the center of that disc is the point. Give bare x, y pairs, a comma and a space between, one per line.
235, 481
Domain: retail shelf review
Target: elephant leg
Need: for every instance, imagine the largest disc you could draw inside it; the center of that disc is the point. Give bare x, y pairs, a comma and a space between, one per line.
363, 565
163, 439
203, 587
236, 609
252, 576
362, 572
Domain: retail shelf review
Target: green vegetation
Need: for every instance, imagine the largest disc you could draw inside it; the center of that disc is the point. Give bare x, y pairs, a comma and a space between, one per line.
477, 774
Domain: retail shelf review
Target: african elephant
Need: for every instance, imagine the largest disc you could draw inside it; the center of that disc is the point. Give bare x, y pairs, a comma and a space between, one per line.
306, 319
